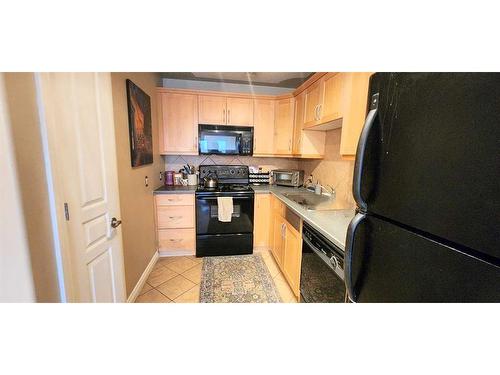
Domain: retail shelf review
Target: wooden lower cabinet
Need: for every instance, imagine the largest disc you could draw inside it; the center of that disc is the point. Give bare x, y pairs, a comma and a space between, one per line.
286, 244
262, 221
176, 239
175, 224
292, 256
277, 248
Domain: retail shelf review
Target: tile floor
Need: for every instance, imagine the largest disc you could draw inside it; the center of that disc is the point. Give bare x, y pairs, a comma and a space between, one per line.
177, 279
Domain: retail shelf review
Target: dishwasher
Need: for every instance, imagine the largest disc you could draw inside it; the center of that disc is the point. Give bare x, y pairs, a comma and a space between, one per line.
322, 269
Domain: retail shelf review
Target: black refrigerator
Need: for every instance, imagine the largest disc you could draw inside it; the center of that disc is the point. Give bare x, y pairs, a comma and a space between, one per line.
427, 189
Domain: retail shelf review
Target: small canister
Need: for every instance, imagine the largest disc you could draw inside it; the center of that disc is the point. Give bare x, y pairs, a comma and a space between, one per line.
169, 178
177, 178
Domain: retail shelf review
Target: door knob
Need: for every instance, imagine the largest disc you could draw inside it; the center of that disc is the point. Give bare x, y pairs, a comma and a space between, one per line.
115, 223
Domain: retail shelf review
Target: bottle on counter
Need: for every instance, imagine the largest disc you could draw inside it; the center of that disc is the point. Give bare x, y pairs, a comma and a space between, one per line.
169, 178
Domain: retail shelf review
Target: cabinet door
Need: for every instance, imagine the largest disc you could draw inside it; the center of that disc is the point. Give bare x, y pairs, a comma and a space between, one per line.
292, 257
239, 111
313, 100
263, 139
331, 107
283, 126
298, 123
212, 110
262, 220
179, 123
277, 248
356, 98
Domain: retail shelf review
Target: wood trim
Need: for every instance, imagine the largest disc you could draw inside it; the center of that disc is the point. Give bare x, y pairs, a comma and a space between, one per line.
315, 77
217, 93
142, 280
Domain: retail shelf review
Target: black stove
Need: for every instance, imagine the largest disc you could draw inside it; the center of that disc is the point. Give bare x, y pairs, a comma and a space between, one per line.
214, 237
225, 188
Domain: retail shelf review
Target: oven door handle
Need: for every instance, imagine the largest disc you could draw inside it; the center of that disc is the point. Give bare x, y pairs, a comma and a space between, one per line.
215, 198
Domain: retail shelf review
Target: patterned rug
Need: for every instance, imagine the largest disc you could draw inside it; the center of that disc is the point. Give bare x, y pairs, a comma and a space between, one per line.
237, 278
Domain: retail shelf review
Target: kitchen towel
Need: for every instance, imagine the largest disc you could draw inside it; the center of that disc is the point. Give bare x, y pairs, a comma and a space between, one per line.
225, 208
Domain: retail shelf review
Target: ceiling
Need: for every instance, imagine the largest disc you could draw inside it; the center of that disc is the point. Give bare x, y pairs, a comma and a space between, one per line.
274, 79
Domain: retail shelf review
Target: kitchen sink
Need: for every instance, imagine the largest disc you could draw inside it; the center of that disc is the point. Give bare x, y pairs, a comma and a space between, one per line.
312, 202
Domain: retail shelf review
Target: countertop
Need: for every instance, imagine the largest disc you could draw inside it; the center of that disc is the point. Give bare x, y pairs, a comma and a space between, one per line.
332, 224
180, 189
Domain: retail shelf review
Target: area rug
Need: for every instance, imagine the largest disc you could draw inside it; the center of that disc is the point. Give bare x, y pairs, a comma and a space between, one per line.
237, 278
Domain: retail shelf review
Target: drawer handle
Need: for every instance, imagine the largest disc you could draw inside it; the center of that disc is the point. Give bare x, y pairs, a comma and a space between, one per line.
175, 217
175, 240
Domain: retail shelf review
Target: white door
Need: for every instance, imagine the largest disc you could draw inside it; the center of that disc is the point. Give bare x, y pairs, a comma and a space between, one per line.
78, 116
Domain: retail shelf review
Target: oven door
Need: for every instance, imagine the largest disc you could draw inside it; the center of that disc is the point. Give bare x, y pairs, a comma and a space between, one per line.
207, 221
319, 282
222, 142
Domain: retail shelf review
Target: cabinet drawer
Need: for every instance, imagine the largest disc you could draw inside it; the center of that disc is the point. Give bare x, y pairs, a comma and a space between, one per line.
175, 199
175, 217
176, 239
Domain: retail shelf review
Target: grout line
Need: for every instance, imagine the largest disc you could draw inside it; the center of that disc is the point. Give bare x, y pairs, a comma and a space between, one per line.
171, 279
196, 285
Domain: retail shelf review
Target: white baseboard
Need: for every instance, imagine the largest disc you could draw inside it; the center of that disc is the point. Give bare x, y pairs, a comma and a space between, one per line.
142, 280
175, 253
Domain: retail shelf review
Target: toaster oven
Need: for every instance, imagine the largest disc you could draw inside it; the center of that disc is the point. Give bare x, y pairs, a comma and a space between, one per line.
288, 177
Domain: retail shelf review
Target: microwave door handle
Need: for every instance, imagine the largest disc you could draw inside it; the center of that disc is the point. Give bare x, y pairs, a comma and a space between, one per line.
239, 144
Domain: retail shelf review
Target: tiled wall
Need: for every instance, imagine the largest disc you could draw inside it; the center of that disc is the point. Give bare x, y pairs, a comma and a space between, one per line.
332, 170
175, 162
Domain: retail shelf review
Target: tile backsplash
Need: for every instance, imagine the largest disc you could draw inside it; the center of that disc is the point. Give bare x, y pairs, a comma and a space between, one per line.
333, 170
175, 162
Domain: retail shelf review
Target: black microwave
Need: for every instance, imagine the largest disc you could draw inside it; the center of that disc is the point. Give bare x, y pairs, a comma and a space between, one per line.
225, 140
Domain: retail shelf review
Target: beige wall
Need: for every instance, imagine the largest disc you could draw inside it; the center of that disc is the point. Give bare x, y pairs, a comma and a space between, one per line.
21, 101
136, 200
16, 282
332, 170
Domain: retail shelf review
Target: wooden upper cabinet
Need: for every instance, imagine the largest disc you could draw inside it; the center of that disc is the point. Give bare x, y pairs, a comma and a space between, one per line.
240, 112
178, 115
283, 126
263, 138
355, 106
212, 110
331, 106
298, 123
313, 98
306, 143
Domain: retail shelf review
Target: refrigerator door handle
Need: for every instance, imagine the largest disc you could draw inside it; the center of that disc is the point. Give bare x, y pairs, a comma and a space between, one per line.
349, 248
360, 152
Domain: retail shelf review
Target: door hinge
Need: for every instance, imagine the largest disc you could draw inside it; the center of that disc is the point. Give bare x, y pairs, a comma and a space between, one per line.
66, 211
